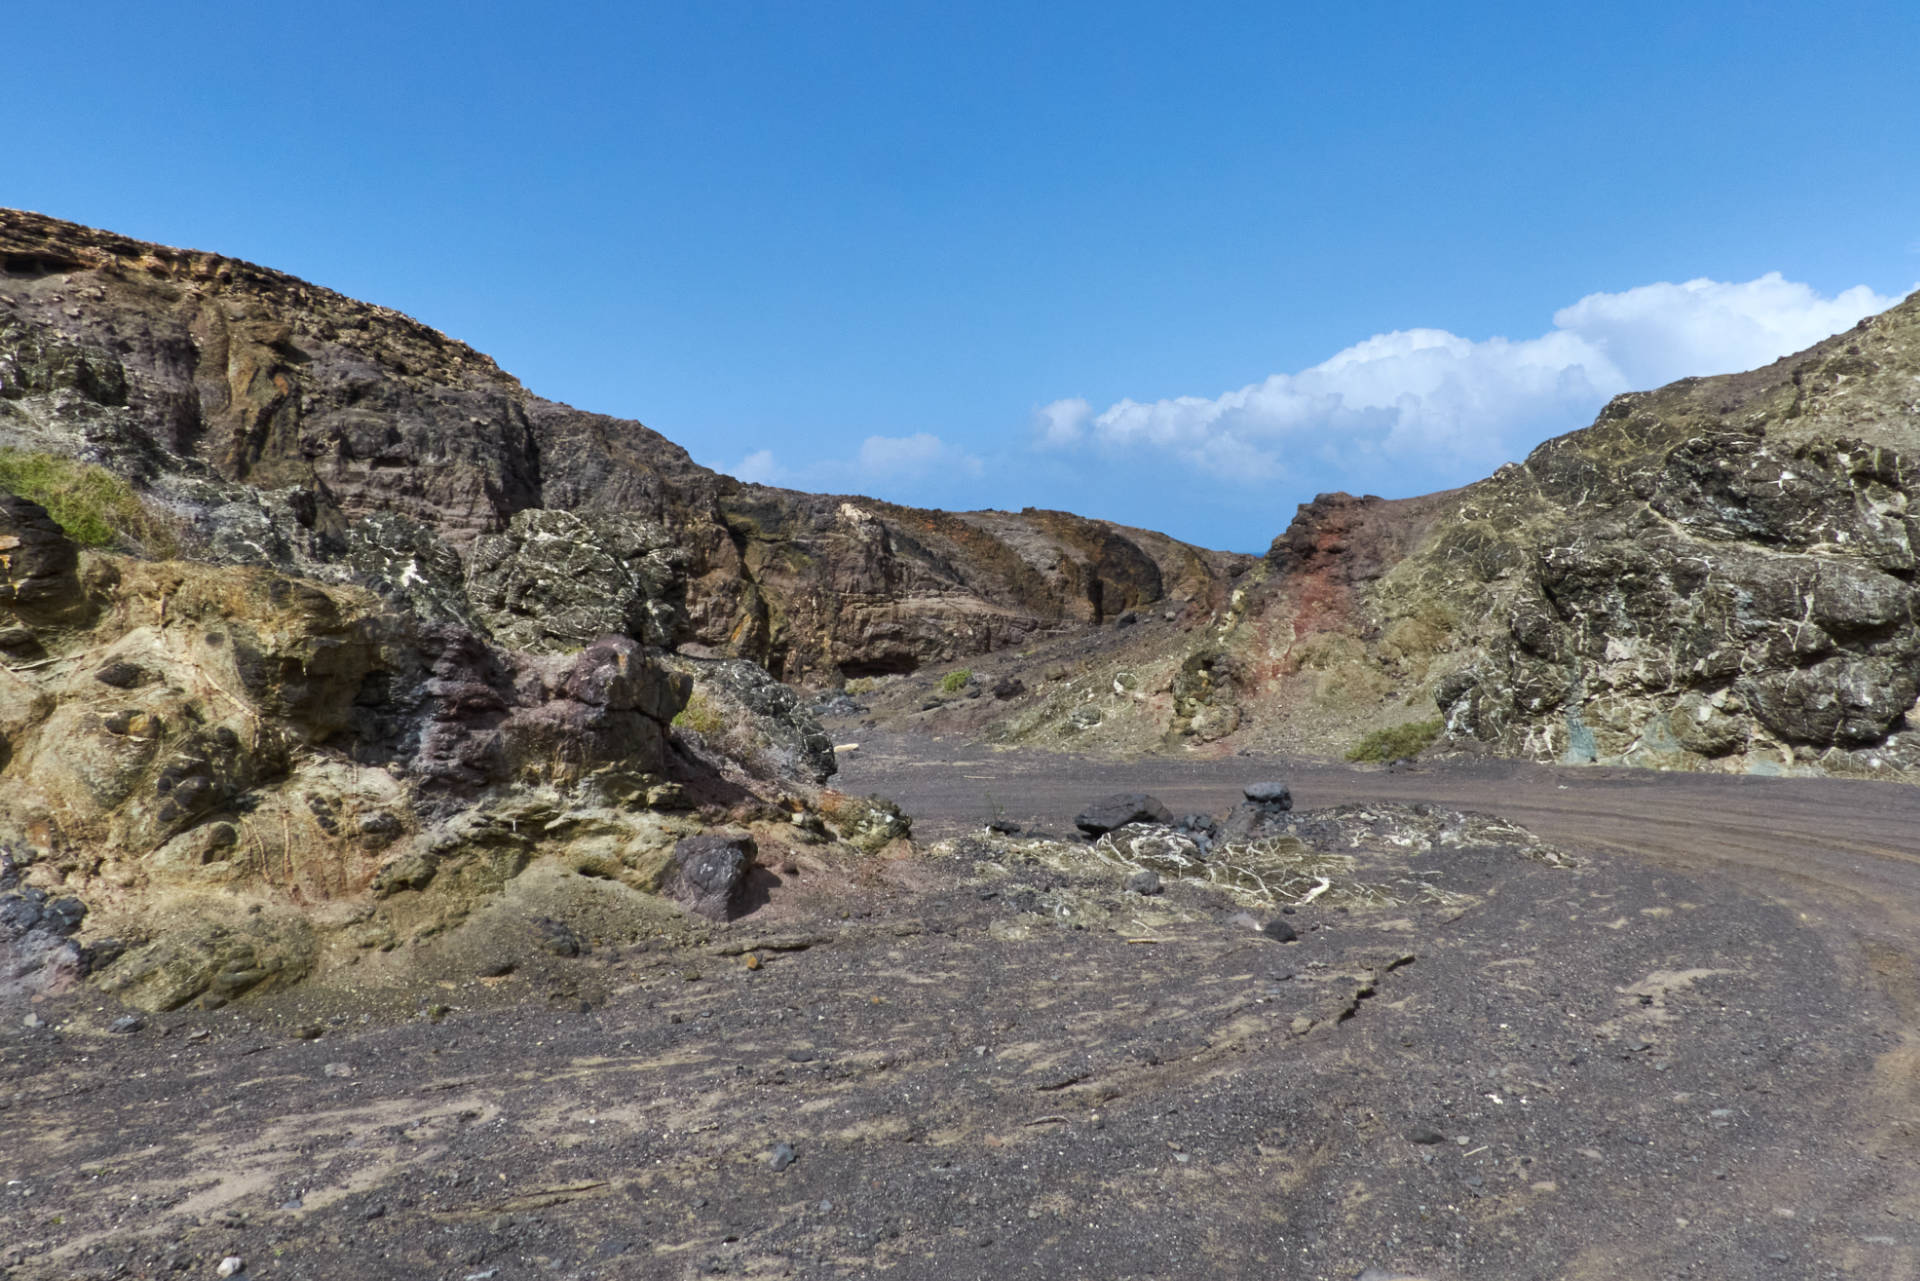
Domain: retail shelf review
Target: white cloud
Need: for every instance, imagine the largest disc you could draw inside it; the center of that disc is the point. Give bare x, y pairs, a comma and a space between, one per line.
915, 457
1658, 333
758, 468
1426, 403
881, 463
1063, 422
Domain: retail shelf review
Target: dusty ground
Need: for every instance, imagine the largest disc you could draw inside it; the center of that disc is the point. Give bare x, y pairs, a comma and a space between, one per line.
1693, 1054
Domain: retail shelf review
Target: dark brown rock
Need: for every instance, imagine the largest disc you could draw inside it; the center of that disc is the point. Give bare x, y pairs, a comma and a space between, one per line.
299, 428
708, 873
38, 562
1110, 812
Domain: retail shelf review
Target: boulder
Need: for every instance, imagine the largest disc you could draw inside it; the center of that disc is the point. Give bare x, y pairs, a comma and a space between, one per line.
1272, 793
39, 565
38, 953
558, 938
1249, 821
1119, 810
869, 823
707, 873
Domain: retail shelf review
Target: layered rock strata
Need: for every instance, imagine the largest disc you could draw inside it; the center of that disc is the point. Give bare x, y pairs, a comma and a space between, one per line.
236, 777
1719, 574
282, 424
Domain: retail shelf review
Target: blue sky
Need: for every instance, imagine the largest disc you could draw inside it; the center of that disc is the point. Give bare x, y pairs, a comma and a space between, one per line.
1180, 269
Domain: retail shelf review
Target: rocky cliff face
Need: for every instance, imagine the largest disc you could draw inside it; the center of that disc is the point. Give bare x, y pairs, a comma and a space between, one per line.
338, 637
1719, 574
236, 777
282, 424
198, 740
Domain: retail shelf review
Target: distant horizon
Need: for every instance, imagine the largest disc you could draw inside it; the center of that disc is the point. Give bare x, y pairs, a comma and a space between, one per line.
1177, 270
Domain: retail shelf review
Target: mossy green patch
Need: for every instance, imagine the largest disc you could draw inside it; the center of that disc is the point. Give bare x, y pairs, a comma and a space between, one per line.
95, 507
699, 715
1397, 741
955, 681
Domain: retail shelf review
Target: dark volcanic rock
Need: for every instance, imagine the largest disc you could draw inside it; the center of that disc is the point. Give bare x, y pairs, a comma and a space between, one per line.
1110, 812
122, 675
788, 740
38, 562
1717, 619
490, 719
38, 954
1717, 574
288, 425
1340, 535
1249, 822
707, 874
555, 581
1274, 794
558, 938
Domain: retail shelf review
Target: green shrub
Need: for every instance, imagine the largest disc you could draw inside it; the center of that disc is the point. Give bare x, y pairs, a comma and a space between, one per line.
954, 682
699, 715
860, 685
1391, 744
94, 506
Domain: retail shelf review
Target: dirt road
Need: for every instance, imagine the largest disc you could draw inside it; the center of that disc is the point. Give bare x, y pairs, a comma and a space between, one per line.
1841, 846
1691, 1053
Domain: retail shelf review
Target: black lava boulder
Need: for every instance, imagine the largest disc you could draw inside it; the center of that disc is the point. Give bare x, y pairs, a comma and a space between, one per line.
1274, 794
707, 874
1110, 812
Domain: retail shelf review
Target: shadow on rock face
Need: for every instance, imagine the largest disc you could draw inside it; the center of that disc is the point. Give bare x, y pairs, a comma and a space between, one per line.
757, 891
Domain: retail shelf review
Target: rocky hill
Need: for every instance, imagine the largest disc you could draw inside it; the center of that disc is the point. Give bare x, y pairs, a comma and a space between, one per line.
274, 422
1716, 575
378, 733
319, 635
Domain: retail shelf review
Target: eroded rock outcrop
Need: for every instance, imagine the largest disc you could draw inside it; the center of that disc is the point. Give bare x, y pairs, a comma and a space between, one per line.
281, 424
1716, 614
555, 581
1719, 574
242, 777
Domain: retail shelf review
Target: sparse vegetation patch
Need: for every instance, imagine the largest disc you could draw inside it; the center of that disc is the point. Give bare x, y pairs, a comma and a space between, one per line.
94, 506
1391, 744
699, 715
